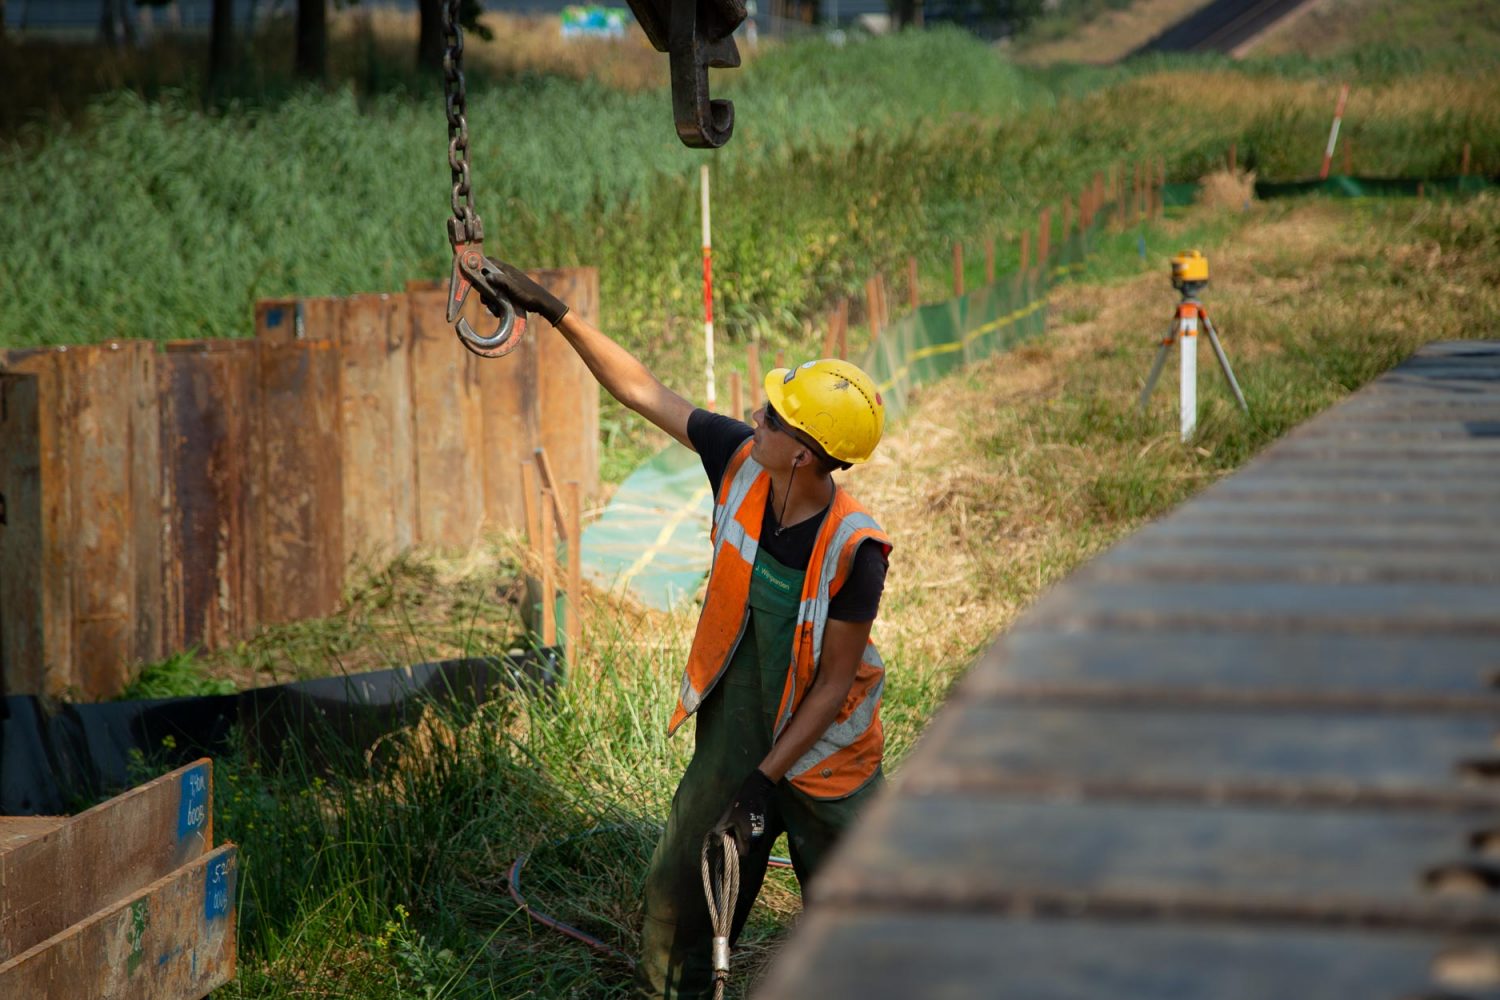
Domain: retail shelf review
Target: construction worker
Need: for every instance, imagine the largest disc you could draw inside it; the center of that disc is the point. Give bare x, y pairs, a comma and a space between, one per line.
781, 674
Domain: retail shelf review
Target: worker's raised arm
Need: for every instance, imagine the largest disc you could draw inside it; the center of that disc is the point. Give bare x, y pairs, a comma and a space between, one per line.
619, 371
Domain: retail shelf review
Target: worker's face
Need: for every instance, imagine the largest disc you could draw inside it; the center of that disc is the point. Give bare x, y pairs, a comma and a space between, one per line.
774, 447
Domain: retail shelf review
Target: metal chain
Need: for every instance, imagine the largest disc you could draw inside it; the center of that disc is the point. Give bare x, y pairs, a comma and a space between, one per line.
465, 226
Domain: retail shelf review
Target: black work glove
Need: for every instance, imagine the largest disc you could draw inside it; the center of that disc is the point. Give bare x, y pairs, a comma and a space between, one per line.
745, 819
526, 293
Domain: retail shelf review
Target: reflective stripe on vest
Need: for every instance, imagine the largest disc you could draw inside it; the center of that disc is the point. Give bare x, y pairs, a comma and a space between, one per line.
848, 753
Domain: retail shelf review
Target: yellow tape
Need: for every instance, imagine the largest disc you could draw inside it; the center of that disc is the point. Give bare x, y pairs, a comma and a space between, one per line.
662, 537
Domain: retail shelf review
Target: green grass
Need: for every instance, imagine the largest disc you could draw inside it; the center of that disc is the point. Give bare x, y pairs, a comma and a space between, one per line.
178, 676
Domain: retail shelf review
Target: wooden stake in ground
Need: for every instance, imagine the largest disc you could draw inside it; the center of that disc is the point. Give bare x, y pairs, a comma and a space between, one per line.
989, 261
736, 397
831, 335
1044, 237
1463, 167
573, 502
549, 484
549, 575
532, 501
913, 289
843, 328
958, 269
752, 366
872, 307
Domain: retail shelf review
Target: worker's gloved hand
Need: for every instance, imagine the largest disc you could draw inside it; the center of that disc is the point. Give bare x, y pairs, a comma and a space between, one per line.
528, 294
745, 819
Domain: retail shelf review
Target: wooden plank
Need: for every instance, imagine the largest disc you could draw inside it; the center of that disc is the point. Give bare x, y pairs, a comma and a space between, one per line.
1218, 754
319, 317
98, 409
301, 508
511, 411
146, 500
376, 424
448, 427
23, 568
172, 940
569, 395
208, 405
846, 954
1160, 860
16, 830
276, 320
56, 521
101, 856
1310, 667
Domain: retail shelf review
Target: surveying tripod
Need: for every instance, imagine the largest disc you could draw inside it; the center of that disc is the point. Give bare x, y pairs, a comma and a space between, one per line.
1189, 275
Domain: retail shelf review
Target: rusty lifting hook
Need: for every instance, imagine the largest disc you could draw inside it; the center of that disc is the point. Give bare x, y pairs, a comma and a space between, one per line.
473, 270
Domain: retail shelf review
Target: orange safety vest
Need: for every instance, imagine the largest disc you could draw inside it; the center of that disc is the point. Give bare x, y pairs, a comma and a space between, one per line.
848, 753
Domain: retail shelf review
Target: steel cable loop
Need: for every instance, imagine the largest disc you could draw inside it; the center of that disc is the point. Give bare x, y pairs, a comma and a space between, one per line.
721, 901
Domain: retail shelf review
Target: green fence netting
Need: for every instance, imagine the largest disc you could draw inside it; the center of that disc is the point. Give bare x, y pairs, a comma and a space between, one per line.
1181, 195
652, 538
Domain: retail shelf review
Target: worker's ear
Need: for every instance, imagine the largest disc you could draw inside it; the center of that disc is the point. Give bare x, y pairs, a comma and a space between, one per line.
801, 458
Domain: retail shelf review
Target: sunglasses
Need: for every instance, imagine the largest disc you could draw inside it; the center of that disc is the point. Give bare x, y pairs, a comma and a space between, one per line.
773, 421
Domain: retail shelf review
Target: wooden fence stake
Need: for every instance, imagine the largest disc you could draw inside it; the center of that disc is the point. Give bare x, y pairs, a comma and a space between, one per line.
549, 574
958, 269
872, 307
1348, 157
913, 289
736, 397
549, 484
573, 501
1044, 237
1463, 168
831, 335
529, 491
989, 261
843, 315
780, 359
752, 366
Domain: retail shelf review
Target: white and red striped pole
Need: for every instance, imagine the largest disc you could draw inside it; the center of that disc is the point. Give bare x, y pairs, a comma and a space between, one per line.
1333, 133
708, 293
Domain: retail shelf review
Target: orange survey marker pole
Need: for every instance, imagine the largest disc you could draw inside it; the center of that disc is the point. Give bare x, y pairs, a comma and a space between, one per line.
1333, 133
1189, 275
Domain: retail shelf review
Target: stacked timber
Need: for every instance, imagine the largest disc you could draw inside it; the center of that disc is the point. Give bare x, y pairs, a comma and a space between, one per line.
1250, 752
129, 900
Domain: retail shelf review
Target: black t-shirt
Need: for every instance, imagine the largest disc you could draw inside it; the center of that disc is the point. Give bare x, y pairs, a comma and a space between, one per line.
716, 438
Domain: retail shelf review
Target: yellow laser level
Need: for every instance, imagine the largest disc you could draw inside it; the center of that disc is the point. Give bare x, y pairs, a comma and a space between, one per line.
1189, 266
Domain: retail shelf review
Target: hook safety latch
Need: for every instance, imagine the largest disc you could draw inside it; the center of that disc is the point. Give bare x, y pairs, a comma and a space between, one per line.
473, 270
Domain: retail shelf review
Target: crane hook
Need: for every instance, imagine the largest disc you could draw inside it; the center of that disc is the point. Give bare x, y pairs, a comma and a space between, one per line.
473, 270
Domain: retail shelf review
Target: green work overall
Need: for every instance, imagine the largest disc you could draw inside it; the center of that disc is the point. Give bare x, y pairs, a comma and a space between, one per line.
734, 730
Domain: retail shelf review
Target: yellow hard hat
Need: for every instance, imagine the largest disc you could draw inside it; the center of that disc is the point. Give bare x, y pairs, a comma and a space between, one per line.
1189, 265
831, 401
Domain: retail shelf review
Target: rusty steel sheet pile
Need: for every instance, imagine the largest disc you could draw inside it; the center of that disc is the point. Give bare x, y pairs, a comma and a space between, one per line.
1250, 752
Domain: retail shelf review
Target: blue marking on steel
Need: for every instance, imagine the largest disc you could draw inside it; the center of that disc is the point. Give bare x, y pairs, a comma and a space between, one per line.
192, 806
273, 317
218, 887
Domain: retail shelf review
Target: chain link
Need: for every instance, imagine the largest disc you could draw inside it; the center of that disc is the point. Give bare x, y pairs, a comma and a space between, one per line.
465, 226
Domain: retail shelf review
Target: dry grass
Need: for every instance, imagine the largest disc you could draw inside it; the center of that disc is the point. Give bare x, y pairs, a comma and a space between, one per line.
1226, 191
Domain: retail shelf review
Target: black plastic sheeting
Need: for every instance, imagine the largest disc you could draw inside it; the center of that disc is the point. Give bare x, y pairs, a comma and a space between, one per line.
56, 756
